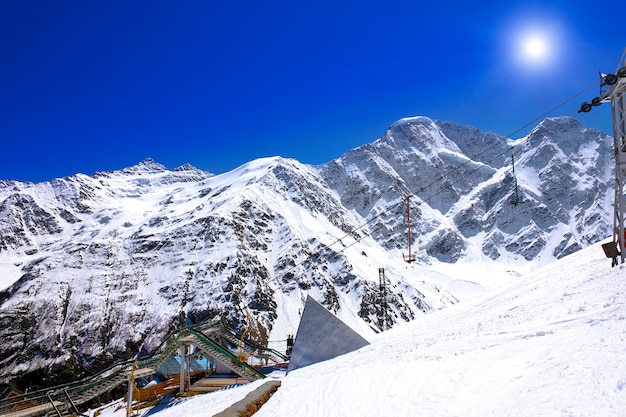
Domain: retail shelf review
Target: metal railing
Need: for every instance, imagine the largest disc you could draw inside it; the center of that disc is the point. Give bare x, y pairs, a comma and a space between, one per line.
61, 398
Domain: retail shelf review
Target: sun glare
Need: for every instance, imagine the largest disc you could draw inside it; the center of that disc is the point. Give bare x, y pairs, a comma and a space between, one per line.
534, 48
534, 37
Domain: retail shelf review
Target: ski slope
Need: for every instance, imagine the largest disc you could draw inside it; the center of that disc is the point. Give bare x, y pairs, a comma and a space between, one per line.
550, 343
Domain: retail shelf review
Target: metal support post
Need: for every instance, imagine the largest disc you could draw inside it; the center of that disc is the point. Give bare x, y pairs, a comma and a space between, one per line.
181, 352
56, 409
618, 109
129, 402
72, 404
382, 312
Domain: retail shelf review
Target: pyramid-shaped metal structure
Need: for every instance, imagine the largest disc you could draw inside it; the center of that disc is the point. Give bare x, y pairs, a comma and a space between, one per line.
321, 336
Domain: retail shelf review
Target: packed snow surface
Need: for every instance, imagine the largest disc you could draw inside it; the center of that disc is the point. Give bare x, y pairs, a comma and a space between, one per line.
549, 343
9, 273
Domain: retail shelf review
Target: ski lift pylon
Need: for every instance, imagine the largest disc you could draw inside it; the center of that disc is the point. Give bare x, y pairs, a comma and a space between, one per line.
410, 258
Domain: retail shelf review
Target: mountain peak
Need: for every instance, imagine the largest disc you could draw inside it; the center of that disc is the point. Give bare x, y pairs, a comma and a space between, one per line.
185, 167
415, 120
560, 123
565, 132
147, 165
418, 134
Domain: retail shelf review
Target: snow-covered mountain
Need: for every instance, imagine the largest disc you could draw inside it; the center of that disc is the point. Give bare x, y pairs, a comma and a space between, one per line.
464, 183
96, 268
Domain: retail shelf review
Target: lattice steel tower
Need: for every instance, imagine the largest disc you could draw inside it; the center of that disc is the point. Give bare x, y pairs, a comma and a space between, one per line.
612, 89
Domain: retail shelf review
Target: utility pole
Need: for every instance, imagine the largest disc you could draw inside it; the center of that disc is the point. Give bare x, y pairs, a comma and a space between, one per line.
181, 352
409, 258
382, 305
131, 386
612, 89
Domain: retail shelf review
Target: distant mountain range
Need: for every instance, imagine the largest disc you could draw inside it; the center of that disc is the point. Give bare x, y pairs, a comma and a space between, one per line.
97, 268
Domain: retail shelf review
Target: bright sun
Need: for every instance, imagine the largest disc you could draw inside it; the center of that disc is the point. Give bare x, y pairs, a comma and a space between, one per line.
535, 38
534, 47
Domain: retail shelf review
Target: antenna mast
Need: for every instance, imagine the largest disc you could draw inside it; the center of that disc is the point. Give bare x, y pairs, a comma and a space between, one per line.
409, 258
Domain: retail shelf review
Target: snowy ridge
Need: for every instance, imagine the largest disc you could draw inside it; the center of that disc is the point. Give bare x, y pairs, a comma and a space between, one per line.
99, 268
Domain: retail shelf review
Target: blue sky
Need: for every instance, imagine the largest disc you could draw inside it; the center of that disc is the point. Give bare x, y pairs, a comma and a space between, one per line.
90, 86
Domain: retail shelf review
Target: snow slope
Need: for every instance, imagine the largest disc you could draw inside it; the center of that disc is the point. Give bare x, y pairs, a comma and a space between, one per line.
552, 343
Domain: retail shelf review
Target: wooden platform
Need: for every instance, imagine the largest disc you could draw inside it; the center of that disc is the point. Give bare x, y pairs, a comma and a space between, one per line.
153, 392
252, 402
33, 411
216, 383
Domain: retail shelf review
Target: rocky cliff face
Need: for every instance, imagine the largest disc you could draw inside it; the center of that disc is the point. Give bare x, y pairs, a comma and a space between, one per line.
464, 189
98, 268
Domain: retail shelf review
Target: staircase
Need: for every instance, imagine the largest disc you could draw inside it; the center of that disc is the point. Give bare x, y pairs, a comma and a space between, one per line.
211, 348
109, 383
64, 399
